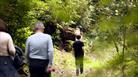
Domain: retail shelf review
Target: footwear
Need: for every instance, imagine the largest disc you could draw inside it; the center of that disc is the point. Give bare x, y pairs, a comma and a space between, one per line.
81, 70
77, 72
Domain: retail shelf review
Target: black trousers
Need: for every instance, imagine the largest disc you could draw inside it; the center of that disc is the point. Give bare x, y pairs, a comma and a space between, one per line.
7, 68
37, 68
79, 64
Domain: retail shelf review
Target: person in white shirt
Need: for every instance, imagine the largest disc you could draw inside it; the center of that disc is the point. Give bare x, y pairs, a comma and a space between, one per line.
39, 52
7, 50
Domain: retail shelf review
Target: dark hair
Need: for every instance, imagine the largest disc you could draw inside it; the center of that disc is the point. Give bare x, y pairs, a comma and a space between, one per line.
2, 26
78, 37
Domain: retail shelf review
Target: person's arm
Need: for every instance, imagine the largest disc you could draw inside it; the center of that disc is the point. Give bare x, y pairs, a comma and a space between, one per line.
82, 44
73, 48
11, 48
50, 51
27, 50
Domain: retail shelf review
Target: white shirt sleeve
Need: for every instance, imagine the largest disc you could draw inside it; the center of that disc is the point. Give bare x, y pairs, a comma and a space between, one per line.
50, 51
27, 50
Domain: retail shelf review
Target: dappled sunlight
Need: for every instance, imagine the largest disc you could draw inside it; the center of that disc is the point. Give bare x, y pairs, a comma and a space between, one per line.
109, 31
64, 63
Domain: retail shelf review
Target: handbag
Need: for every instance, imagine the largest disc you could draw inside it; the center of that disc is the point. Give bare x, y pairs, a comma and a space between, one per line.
18, 59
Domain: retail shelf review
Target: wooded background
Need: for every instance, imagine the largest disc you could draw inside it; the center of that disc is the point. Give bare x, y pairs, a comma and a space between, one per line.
107, 26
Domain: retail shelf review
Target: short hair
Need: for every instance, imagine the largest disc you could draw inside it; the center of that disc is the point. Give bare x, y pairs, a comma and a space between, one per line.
39, 25
78, 37
2, 26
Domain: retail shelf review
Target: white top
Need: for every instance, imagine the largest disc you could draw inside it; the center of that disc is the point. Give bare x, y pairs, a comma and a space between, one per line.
6, 44
40, 46
77, 31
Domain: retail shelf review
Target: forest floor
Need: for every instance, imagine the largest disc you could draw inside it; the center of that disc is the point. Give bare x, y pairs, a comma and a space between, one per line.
64, 64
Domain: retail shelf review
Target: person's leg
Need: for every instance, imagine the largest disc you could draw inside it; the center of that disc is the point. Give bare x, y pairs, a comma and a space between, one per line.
77, 65
7, 68
47, 74
37, 68
81, 65
34, 71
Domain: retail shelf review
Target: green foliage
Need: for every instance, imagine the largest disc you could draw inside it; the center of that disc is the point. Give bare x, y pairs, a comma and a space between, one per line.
20, 15
109, 25
116, 64
118, 23
132, 40
14, 13
62, 10
131, 18
38, 10
67, 10
105, 2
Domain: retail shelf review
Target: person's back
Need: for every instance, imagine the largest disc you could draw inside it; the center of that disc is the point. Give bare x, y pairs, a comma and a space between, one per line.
79, 54
39, 52
6, 44
78, 48
7, 50
38, 44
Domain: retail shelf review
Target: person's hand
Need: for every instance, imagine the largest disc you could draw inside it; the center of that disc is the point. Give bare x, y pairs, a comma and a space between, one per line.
50, 69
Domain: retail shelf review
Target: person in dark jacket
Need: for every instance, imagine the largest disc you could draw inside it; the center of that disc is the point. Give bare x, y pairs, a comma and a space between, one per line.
79, 54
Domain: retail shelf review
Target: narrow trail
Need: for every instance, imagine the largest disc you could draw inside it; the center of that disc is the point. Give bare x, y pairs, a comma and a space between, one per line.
64, 64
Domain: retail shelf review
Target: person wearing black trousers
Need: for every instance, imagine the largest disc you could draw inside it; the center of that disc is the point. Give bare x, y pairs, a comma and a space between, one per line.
39, 52
78, 54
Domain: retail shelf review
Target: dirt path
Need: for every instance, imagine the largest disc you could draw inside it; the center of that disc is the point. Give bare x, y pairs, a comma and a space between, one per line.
64, 64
